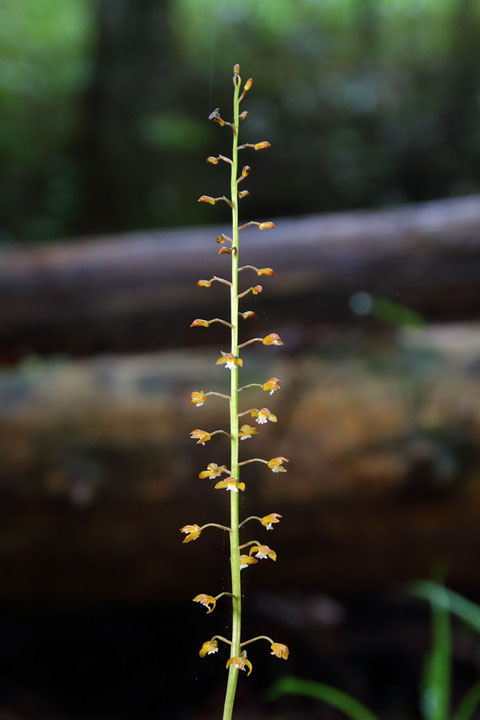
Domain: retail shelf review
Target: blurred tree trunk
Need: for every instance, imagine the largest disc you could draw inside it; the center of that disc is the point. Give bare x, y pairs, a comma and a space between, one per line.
132, 82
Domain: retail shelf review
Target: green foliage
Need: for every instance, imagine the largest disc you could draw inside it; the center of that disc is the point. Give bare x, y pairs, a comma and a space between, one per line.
45, 64
308, 688
382, 110
435, 700
437, 677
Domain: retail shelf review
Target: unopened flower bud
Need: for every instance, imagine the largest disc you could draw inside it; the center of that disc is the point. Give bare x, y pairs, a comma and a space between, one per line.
266, 225
204, 283
246, 170
257, 289
212, 160
243, 115
262, 145
207, 199
243, 193
236, 69
248, 85
199, 322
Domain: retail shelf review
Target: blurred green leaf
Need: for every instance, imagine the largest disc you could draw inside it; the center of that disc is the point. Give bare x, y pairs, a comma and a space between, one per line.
395, 313
469, 703
435, 699
308, 688
442, 597
174, 131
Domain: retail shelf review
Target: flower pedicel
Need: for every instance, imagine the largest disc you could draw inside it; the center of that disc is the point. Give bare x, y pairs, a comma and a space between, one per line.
233, 362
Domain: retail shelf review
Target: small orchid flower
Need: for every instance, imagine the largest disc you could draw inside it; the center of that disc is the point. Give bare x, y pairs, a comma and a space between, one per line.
213, 471
206, 601
208, 648
192, 532
230, 484
263, 415
199, 322
279, 650
201, 436
276, 464
271, 385
198, 397
269, 520
262, 552
272, 339
229, 360
246, 432
246, 560
240, 663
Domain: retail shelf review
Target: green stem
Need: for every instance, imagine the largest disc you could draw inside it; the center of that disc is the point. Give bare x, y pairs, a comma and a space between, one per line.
234, 466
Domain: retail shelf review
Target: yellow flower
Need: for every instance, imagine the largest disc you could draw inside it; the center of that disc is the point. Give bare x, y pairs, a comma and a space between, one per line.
204, 283
263, 415
201, 436
198, 397
262, 552
269, 520
192, 532
246, 431
276, 464
213, 471
199, 322
206, 601
279, 650
246, 560
240, 663
266, 225
229, 360
257, 290
230, 484
271, 385
262, 145
272, 339
209, 647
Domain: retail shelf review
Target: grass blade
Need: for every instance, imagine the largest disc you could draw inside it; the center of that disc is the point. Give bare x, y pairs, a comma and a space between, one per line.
469, 703
440, 596
330, 695
437, 675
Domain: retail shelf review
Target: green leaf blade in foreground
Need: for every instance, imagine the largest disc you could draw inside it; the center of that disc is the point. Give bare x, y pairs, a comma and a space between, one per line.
437, 675
469, 703
330, 695
464, 609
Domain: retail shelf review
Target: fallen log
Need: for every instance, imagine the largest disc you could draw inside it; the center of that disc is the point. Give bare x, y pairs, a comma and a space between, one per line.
138, 292
98, 472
